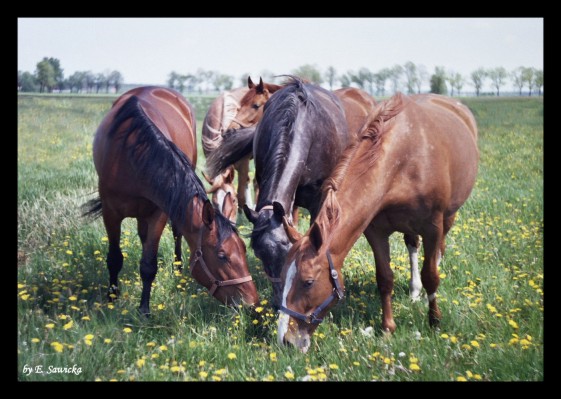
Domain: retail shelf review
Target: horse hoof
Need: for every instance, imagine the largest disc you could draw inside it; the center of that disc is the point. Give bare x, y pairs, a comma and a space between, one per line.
434, 320
113, 293
144, 311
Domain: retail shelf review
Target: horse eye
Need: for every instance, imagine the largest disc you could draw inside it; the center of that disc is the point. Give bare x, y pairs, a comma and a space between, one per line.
255, 106
308, 283
222, 256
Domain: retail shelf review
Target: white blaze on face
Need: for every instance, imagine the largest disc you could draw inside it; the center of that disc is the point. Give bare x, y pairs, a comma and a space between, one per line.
283, 317
220, 195
415, 284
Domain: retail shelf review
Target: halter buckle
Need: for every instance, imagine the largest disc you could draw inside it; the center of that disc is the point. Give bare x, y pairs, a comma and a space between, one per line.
334, 274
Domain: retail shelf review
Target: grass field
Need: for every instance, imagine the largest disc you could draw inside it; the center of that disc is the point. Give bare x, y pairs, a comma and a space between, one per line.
491, 292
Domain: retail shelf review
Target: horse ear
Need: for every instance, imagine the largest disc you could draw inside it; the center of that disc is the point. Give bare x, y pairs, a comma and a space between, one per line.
293, 234
315, 237
250, 83
228, 175
250, 214
260, 87
278, 210
228, 205
208, 214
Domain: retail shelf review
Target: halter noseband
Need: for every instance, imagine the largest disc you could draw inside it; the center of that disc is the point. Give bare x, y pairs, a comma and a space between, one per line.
198, 257
337, 293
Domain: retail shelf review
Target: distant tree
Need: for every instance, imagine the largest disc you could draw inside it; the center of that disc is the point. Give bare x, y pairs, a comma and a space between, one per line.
517, 77
395, 74
190, 82
180, 82
243, 79
172, 79
438, 81
380, 78
368, 78
345, 80
410, 71
360, 78
222, 81
330, 76
456, 81
309, 72
100, 81
528, 78
498, 76
538, 80
45, 75
59, 72
478, 78
75, 81
422, 75
89, 80
27, 82
116, 80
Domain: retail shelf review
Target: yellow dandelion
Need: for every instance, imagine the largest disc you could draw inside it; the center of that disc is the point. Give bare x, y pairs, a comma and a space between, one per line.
289, 375
107, 341
73, 298
414, 367
387, 360
203, 374
475, 344
444, 336
461, 378
333, 366
163, 348
121, 371
57, 346
356, 364
86, 318
413, 359
513, 324
20, 286
68, 252
68, 325
466, 347
154, 355
259, 309
88, 342
161, 306
231, 356
453, 339
89, 337
127, 330
273, 356
216, 378
477, 377
151, 344
24, 297
104, 239
35, 340
140, 363
469, 374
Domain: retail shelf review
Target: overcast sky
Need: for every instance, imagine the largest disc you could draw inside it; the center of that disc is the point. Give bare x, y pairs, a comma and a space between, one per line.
147, 50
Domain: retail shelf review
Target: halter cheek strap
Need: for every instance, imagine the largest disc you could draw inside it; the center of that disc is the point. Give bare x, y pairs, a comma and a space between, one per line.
336, 294
198, 258
271, 278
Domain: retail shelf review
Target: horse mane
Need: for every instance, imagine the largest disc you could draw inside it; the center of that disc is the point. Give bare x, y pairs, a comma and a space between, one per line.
296, 99
164, 168
372, 132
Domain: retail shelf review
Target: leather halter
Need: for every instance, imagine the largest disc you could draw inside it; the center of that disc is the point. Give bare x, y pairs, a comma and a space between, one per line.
337, 293
198, 257
271, 279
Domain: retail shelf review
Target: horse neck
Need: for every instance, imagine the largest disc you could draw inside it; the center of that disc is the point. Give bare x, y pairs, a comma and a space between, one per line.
193, 225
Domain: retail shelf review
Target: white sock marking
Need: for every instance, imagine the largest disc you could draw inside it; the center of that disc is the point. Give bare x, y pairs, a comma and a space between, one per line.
415, 284
283, 317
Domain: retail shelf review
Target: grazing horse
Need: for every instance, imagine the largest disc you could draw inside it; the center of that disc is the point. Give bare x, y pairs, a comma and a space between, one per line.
144, 152
413, 167
295, 147
242, 107
357, 105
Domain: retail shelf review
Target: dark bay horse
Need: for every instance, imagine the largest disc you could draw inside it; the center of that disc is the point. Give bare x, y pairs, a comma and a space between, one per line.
242, 107
144, 152
413, 167
295, 147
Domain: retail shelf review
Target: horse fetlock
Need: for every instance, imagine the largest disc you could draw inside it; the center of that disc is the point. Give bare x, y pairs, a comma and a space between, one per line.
113, 293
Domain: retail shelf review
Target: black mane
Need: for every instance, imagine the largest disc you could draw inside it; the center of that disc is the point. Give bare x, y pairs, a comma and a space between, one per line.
162, 166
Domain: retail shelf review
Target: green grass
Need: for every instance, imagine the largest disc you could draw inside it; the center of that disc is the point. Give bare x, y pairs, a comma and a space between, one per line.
490, 295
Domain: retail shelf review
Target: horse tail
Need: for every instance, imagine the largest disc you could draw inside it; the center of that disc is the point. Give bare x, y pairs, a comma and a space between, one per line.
92, 209
235, 146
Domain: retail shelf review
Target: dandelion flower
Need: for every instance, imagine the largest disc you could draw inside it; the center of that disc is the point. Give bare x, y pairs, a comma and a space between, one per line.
513, 324
203, 374
35, 340
68, 325
414, 367
333, 366
289, 375
88, 342
161, 306
73, 298
231, 356
466, 347
273, 356
57, 346
86, 318
469, 374
453, 339
387, 360
68, 252
216, 378
477, 377
444, 336
259, 309
89, 337
127, 330
163, 348
475, 344
24, 297
140, 363
49, 326
107, 340
461, 378
151, 344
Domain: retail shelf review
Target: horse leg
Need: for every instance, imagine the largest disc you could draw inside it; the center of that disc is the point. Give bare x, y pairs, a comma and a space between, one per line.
177, 237
448, 222
379, 241
432, 244
412, 242
244, 196
114, 257
150, 230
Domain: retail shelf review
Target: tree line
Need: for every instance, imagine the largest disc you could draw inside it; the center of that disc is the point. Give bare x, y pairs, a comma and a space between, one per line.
49, 76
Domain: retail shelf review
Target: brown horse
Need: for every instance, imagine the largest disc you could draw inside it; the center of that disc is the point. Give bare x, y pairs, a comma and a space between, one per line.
144, 152
413, 167
357, 104
242, 107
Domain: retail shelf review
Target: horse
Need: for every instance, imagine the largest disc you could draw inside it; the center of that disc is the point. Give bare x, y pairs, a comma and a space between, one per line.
413, 167
242, 107
295, 147
144, 151
357, 105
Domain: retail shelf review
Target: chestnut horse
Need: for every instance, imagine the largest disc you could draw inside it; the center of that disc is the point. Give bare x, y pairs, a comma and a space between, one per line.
242, 107
295, 147
413, 167
144, 152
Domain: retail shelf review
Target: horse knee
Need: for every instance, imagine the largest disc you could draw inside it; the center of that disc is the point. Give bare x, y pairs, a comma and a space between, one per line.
148, 271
